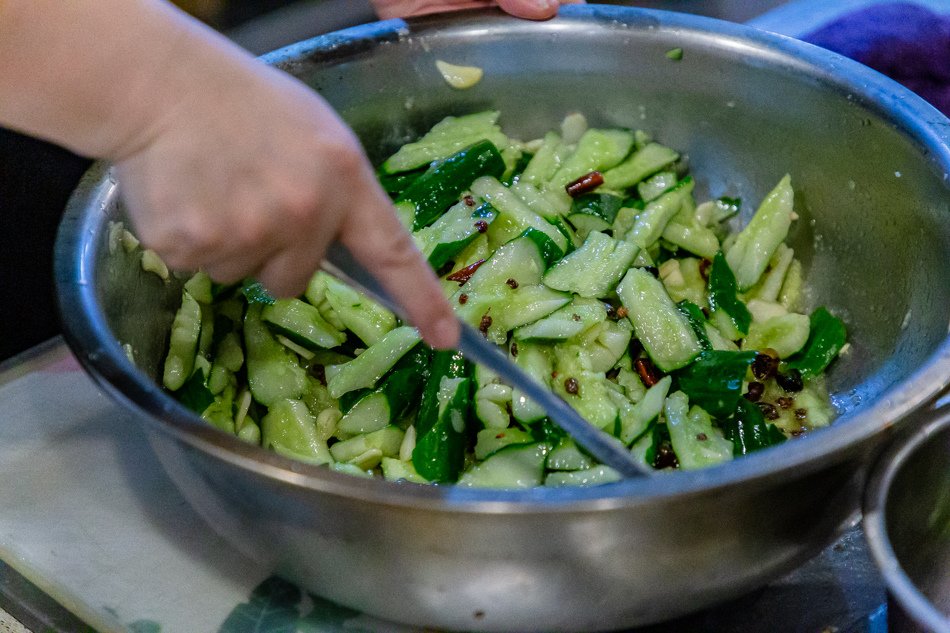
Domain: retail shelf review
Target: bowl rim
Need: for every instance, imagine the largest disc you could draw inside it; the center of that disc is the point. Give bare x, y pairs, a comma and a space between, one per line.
107, 363
877, 494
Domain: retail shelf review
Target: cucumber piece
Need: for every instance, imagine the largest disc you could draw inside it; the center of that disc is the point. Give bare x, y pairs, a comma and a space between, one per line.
546, 160
199, 286
683, 281
723, 299
665, 333
441, 241
385, 440
643, 163
770, 284
442, 184
547, 204
492, 399
695, 441
439, 453
695, 239
758, 241
786, 334
550, 252
825, 340
791, 292
593, 212
370, 413
289, 428
183, 343
605, 343
273, 372
447, 137
597, 150
567, 456
398, 470
585, 390
566, 322
657, 185
535, 360
595, 476
397, 392
656, 215
506, 289
302, 323
594, 269
367, 368
360, 314
637, 419
522, 306
488, 441
513, 213
517, 466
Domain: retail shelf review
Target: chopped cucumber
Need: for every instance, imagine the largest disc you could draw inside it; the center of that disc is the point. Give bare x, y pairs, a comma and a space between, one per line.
665, 333
445, 139
597, 150
594, 269
183, 343
302, 323
758, 241
513, 211
641, 164
367, 368
517, 466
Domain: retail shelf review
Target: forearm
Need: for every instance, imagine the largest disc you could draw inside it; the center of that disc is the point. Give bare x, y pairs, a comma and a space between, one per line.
97, 76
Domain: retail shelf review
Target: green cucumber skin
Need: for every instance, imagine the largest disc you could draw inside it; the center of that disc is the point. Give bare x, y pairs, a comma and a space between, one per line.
826, 337
441, 185
455, 238
440, 446
446, 138
401, 387
444, 364
723, 294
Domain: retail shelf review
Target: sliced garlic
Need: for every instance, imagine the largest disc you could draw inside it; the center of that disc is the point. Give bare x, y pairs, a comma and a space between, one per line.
460, 77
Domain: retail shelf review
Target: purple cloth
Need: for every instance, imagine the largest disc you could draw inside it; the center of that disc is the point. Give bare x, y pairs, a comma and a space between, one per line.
904, 41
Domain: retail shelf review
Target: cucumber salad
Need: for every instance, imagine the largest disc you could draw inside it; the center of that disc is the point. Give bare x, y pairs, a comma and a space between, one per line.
585, 256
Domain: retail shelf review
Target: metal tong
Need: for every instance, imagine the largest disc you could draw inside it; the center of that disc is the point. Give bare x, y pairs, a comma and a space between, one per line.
340, 263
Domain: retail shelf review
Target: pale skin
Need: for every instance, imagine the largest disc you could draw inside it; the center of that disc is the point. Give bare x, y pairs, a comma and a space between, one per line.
225, 164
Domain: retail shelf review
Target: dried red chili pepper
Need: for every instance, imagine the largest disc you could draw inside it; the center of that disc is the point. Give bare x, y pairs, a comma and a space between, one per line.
647, 371
462, 275
585, 184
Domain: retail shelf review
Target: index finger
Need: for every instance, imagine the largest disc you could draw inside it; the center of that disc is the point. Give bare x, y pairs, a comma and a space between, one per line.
376, 237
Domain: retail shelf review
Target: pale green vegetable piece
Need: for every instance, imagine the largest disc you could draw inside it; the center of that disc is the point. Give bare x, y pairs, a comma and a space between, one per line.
758, 241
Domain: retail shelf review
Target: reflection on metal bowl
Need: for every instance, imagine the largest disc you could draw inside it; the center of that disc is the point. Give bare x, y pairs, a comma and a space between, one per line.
869, 161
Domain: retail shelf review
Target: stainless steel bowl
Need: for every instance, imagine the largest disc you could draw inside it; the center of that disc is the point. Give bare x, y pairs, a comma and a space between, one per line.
907, 523
869, 161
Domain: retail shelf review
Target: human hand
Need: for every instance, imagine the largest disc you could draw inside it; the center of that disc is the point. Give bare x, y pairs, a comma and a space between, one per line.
530, 9
253, 174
